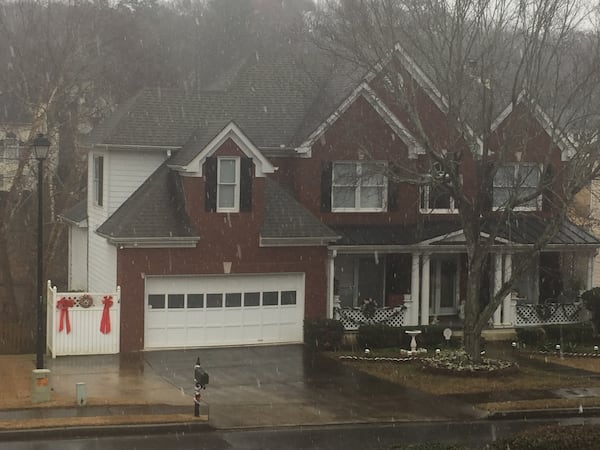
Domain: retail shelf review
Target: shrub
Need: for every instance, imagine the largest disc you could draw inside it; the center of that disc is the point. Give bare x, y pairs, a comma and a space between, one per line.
591, 299
555, 437
532, 336
379, 336
323, 334
572, 334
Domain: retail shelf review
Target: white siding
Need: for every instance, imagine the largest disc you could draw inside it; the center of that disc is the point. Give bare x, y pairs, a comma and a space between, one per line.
124, 172
77, 258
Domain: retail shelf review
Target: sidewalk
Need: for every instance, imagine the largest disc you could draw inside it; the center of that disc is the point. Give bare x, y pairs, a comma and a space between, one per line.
121, 390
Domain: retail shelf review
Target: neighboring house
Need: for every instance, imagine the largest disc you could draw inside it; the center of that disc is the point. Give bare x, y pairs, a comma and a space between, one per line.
228, 217
15, 126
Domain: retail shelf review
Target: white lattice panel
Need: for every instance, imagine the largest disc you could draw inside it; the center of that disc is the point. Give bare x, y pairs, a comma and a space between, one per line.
352, 318
548, 313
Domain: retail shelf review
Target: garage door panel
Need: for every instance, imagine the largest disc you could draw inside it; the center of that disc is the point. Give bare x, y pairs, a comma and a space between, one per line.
223, 310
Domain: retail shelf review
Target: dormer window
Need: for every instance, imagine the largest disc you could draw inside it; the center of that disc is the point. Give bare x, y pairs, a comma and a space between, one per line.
228, 185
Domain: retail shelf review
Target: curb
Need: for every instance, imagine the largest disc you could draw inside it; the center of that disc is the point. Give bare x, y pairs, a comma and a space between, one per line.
592, 411
68, 432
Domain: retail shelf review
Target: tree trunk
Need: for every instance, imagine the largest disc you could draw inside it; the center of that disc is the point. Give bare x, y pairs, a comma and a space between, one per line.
472, 328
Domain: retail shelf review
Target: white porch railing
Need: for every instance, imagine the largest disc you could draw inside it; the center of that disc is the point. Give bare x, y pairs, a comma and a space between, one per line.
529, 314
81, 315
352, 318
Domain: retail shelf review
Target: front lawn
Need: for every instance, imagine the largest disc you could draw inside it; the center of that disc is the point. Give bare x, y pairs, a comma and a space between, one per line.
532, 386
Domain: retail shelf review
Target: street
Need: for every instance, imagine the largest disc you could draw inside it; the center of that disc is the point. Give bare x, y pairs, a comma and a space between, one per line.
350, 437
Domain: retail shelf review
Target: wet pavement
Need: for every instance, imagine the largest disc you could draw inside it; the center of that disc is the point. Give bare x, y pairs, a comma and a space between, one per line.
289, 385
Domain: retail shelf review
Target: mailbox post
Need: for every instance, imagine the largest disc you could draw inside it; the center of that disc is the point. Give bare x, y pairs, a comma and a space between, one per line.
200, 380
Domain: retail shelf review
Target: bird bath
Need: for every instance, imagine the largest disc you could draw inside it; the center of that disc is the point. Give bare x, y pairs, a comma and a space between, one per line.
413, 341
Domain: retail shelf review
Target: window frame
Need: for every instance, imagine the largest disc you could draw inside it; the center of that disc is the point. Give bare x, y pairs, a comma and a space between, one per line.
358, 167
235, 184
11, 145
98, 180
425, 191
516, 166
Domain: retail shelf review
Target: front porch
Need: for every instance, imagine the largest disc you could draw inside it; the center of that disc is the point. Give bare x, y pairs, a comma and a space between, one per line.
400, 289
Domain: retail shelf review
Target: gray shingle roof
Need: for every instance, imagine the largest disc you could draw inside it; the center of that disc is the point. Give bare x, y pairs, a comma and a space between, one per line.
76, 213
155, 210
526, 229
286, 218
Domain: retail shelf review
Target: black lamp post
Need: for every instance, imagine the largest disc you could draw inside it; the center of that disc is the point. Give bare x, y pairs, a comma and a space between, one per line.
41, 146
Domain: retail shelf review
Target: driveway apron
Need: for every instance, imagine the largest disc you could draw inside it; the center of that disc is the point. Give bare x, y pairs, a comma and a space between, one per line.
290, 385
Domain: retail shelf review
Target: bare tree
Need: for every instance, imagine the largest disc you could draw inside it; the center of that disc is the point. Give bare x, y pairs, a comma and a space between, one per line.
472, 58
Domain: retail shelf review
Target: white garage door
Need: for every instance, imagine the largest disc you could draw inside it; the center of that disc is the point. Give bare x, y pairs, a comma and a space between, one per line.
223, 310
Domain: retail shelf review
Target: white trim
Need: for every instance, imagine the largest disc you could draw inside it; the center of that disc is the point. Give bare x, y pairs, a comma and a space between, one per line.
233, 132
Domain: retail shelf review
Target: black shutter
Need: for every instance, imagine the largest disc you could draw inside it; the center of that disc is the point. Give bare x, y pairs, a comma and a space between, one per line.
326, 171
210, 184
246, 184
392, 195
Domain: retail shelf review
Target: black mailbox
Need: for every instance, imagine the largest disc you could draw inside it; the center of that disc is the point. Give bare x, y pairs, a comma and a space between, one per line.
200, 375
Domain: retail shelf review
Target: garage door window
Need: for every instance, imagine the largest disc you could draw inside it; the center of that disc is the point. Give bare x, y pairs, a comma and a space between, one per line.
156, 301
270, 298
288, 297
195, 301
214, 300
176, 301
252, 299
233, 300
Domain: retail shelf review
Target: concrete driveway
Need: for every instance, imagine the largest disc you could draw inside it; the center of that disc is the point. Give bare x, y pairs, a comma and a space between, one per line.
290, 385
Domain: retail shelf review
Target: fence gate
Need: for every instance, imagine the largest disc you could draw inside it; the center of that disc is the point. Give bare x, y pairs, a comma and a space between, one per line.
82, 323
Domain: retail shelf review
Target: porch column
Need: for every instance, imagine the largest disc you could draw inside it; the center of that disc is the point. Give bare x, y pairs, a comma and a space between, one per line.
507, 312
425, 290
330, 277
590, 272
497, 283
412, 316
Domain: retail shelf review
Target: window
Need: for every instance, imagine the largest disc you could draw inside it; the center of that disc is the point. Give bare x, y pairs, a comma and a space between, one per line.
175, 301
228, 184
252, 299
11, 147
98, 179
288, 297
270, 298
436, 199
358, 186
517, 181
195, 300
156, 301
233, 300
214, 300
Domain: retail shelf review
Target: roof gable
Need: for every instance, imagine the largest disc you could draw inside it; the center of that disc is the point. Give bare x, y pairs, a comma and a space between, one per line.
233, 132
567, 149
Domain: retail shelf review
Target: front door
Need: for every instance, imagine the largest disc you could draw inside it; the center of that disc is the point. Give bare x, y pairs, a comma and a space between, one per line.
444, 285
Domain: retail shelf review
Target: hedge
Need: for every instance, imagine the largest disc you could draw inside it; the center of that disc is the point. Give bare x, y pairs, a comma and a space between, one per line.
385, 336
546, 337
323, 334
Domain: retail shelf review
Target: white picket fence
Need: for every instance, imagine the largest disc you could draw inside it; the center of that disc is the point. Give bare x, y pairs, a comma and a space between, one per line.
85, 337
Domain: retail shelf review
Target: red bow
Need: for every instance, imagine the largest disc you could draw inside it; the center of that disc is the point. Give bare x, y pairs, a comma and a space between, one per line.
63, 305
105, 322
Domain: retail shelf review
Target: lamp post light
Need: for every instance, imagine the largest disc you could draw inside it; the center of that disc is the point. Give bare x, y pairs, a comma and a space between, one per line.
41, 146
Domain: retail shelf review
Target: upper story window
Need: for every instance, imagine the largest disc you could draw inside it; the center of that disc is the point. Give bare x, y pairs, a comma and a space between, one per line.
517, 182
11, 147
228, 184
358, 186
98, 180
435, 199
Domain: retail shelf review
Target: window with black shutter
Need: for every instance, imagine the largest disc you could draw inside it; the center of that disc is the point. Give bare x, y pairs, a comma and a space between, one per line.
210, 184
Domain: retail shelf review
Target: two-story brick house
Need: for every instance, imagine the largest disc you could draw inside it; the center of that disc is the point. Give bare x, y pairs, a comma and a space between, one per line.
227, 217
